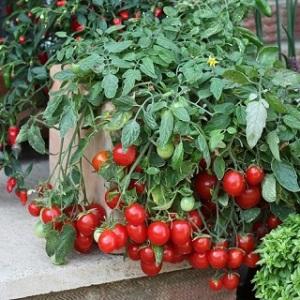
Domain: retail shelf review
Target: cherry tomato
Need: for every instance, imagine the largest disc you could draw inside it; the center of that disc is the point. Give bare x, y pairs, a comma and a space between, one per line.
273, 222
138, 186
124, 14
150, 269
34, 209
124, 158
187, 203
107, 242
218, 258
169, 253
249, 198
231, 281
87, 223
178, 258
204, 185
254, 175
165, 152
112, 198
60, 3
98, 211
22, 40
158, 12
100, 159
12, 135
180, 232
235, 258
135, 214
121, 235
23, 196
10, 184
184, 249
133, 251
202, 244
251, 259
260, 229
246, 242
195, 219
215, 284
147, 255
50, 214
43, 57
83, 243
137, 233
199, 260
233, 183
158, 233
117, 21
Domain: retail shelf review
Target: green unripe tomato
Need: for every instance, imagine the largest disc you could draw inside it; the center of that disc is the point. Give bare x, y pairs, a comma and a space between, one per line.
39, 229
166, 151
187, 203
76, 69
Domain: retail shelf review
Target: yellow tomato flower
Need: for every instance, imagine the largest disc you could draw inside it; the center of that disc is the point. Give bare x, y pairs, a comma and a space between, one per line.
212, 61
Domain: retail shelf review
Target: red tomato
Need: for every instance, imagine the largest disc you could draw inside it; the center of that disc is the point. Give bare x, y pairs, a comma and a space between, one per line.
60, 3
107, 242
273, 222
254, 175
133, 251
158, 233
150, 269
124, 158
50, 214
204, 185
34, 209
202, 244
222, 243
260, 229
246, 242
215, 284
86, 224
184, 249
22, 40
23, 196
98, 211
169, 253
251, 259
199, 261
218, 258
233, 183
138, 186
231, 281
158, 12
180, 232
178, 258
100, 159
10, 184
195, 219
83, 243
112, 198
124, 14
121, 235
235, 258
135, 214
12, 135
249, 198
117, 21
137, 233
147, 255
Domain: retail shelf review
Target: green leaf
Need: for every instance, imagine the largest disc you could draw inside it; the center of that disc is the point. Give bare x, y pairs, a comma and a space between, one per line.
275, 103
249, 215
177, 157
130, 133
291, 122
61, 34
130, 77
256, 121
158, 252
110, 84
236, 77
269, 188
166, 128
152, 171
212, 30
64, 75
223, 200
216, 139
267, 56
36, 140
181, 114
147, 67
202, 145
273, 142
149, 120
285, 78
78, 154
90, 62
68, 120
281, 211
219, 167
117, 47
216, 87
170, 11
286, 175
23, 134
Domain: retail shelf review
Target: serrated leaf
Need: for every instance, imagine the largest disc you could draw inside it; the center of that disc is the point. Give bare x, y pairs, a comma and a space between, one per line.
130, 77
216, 139
202, 145
158, 252
267, 55
236, 76
110, 85
216, 87
130, 133
117, 47
95, 98
256, 121
177, 157
291, 122
170, 11
147, 67
219, 167
166, 128
64, 75
23, 134
78, 154
181, 114
152, 171
223, 200
286, 175
249, 215
275, 103
68, 120
273, 142
36, 140
149, 120
269, 188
